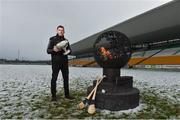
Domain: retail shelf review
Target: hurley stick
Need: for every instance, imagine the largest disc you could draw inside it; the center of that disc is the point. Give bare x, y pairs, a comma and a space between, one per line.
91, 108
82, 104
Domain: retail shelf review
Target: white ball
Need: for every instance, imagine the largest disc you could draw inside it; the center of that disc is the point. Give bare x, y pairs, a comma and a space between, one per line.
103, 91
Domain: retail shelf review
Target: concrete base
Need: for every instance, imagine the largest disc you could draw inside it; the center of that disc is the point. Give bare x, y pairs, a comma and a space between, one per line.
116, 96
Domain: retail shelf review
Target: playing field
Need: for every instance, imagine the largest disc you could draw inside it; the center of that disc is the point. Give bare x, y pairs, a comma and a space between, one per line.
25, 93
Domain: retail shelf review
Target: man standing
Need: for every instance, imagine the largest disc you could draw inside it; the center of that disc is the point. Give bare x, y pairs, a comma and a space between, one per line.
59, 62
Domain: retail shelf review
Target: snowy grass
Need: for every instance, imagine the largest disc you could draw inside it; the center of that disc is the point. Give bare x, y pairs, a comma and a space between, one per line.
25, 93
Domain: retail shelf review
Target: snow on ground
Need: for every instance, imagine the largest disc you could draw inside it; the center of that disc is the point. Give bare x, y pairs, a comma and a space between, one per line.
21, 85
167, 83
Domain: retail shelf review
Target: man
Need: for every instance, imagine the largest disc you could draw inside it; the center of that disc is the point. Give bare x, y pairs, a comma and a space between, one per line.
59, 62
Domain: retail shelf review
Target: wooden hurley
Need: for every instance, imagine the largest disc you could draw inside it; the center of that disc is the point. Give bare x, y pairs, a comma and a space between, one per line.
92, 108
84, 103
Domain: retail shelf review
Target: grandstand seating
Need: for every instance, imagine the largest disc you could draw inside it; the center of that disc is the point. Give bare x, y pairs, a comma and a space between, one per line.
169, 56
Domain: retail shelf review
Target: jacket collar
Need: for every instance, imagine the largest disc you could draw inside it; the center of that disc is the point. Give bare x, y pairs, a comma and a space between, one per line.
60, 37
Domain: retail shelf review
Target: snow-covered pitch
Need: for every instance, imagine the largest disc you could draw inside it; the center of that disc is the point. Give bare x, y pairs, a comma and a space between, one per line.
21, 85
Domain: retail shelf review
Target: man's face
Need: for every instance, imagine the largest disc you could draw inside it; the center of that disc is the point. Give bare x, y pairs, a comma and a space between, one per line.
60, 31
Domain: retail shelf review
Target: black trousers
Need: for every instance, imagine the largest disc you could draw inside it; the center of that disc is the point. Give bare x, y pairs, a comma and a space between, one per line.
56, 67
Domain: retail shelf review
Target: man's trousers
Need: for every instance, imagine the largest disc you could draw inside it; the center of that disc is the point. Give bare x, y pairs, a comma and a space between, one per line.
56, 67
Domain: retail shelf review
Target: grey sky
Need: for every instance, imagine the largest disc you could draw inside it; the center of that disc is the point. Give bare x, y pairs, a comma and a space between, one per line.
27, 24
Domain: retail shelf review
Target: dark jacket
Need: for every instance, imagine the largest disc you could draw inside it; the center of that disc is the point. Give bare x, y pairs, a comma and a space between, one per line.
57, 56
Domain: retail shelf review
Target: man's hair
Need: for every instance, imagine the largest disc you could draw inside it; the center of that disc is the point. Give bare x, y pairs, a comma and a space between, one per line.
60, 26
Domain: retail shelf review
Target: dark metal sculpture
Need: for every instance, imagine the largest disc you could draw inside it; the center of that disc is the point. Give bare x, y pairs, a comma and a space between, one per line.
112, 52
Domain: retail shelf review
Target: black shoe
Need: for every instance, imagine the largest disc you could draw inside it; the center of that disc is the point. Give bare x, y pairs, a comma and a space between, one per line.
54, 99
69, 97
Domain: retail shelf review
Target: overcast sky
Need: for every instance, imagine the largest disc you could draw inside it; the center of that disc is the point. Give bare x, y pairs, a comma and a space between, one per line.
27, 25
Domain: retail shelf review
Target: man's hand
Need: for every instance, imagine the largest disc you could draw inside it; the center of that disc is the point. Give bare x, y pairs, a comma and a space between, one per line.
56, 49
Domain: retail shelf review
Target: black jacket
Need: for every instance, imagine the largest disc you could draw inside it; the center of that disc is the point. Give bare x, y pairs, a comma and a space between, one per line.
57, 56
